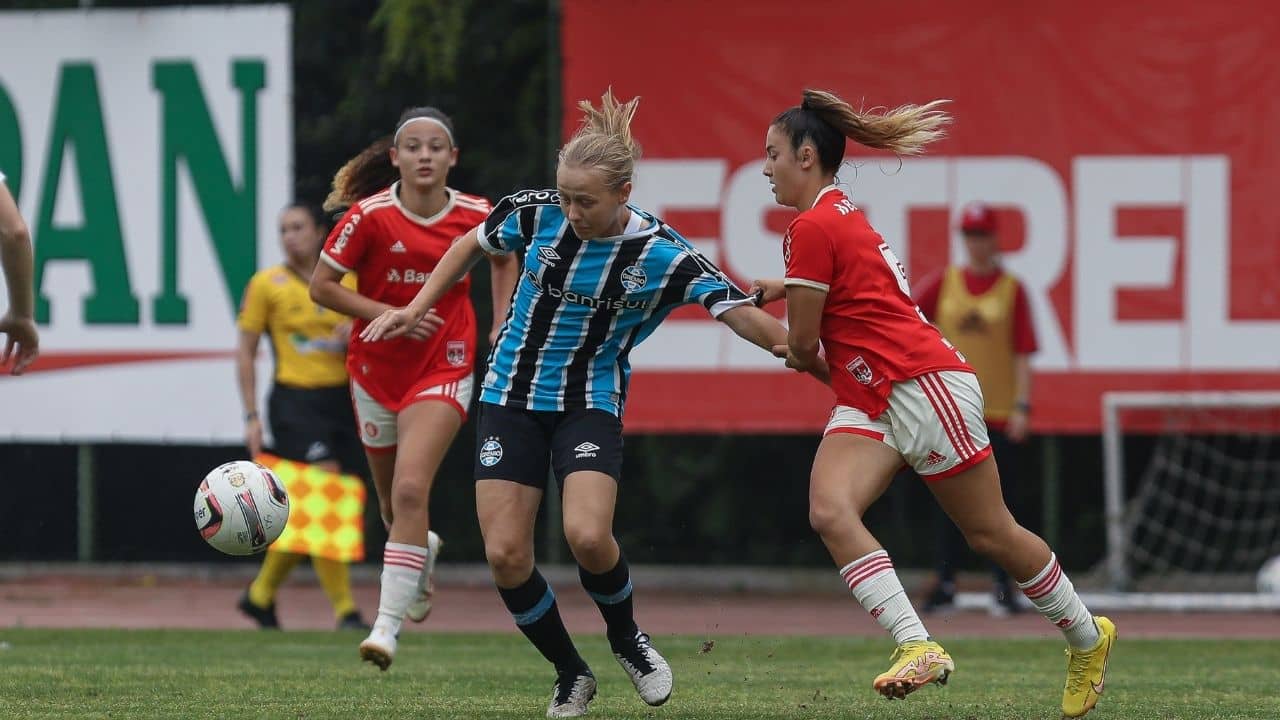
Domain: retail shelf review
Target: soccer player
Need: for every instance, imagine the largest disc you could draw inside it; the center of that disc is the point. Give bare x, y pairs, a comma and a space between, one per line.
309, 403
983, 310
23, 342
903, 394
410, 395
598, 277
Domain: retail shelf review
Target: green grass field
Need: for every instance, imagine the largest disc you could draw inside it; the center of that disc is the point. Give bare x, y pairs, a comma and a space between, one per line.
300, 676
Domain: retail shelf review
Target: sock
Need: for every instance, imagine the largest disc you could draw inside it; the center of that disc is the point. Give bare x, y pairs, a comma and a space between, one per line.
401, 566
275, 568
335, 578
612, 592
1056, 599
533, 605
876, 587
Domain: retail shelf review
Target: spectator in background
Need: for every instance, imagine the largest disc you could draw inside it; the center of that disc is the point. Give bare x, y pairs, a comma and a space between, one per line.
23, 343
983, 310
309, 405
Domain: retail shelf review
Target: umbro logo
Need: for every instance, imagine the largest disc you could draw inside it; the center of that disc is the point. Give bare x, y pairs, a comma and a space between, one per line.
934, 458
398, 247
548, 255
586, 450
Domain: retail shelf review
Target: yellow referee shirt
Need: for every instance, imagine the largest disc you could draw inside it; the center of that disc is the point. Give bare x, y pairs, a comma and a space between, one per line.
309, 353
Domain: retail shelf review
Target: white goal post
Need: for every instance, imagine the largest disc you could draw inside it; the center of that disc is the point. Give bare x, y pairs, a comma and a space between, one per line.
1201, 466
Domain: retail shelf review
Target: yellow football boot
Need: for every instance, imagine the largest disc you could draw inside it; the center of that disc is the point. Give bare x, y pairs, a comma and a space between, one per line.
1086, 670
915, 664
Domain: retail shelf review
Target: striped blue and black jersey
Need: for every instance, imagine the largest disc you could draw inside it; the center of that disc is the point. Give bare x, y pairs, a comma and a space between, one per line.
581, 306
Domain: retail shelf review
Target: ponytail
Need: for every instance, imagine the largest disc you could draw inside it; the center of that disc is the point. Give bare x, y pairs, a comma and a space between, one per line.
904, 130
362, 176
825, 120
604, 140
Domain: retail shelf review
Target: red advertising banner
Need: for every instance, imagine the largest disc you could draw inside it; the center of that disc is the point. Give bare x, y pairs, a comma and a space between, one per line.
1128, 148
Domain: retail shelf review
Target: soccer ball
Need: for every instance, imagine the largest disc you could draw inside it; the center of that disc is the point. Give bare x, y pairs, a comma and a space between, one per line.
241, 507
1269, 577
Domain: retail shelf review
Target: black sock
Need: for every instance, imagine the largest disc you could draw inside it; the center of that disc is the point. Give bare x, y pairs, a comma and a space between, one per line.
533, 605
612, 592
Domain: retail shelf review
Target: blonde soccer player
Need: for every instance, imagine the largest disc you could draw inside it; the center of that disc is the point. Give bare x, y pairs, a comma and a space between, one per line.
599, 275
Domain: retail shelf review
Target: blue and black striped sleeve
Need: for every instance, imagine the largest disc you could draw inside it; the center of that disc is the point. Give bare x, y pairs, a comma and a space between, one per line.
706, 284
513, 222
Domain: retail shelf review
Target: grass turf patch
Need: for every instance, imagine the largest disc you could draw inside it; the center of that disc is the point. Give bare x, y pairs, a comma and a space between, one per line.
312, 675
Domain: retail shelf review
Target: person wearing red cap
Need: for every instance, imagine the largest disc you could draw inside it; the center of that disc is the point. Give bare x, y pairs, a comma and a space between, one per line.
983, 310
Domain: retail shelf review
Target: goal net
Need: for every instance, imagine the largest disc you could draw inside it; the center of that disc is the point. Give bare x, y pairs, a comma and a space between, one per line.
1192, 482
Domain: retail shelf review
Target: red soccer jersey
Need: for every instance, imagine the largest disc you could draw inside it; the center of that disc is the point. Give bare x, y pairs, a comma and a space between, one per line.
873, 333
392, 251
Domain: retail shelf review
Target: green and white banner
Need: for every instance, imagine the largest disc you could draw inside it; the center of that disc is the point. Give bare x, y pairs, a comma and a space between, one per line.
150, 152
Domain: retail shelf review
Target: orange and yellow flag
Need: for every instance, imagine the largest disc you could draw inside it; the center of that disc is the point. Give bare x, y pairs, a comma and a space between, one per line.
326, 511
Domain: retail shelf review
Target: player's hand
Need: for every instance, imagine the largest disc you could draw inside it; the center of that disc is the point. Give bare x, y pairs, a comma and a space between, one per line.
253, 436
793, 362
426, 327
821, 370
22, 342
771, 290
396, 322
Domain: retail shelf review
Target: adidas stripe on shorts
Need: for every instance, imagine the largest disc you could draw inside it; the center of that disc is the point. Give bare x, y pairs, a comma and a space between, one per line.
934, 421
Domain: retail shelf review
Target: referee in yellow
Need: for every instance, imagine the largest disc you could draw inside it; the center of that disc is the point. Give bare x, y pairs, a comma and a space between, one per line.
309, 406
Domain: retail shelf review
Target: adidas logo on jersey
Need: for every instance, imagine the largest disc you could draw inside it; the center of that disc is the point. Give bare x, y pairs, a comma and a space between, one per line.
408, 275
398, 247
934, 458
586, 450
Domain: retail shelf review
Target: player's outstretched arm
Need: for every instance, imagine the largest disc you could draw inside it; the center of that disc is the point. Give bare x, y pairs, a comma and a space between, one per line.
759, 327
456, 263
327, 290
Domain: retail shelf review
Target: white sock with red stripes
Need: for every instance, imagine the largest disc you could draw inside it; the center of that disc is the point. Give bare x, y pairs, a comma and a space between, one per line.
401, 567
1056, 599
876, 587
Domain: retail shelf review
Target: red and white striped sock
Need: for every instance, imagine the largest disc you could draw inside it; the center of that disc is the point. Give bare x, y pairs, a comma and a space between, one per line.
876, 587
1055, 597
401, 567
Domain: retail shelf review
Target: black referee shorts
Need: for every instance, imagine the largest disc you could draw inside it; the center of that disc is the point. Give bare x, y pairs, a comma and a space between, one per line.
315, 424
519, 445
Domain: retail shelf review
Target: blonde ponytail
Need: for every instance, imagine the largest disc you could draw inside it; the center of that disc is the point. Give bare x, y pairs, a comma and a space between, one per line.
604, 140
905, 130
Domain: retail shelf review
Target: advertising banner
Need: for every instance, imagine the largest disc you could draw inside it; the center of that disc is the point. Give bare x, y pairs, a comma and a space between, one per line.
1124, 147
150, 152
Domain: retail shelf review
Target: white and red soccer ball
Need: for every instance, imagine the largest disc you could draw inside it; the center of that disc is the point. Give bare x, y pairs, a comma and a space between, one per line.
241, 507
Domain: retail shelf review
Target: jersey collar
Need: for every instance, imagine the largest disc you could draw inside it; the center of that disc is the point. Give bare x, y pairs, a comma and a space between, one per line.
822, 192
395, 200
636, 227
